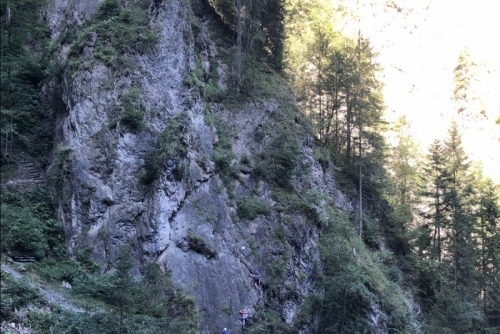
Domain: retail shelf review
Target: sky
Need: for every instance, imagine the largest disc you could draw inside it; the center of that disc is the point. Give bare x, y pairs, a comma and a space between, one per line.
418, 43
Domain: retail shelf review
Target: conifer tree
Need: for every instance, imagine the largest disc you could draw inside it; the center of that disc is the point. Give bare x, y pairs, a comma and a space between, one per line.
23, 41
437, 187
404, 184
123, 286
458, 204
488, 217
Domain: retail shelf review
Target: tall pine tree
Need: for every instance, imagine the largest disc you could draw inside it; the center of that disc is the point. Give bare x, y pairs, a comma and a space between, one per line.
459, 207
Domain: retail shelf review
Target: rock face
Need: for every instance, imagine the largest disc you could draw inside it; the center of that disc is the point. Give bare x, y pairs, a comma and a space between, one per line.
186, 220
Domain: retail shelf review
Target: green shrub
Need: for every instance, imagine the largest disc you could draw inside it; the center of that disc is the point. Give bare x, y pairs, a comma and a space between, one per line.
108, 9
452, 313
280, 233
152, 169
212, 93
290, 202
278, 160
223, 154
61, 168
171, 147
195, 76
275, 272
15, 295
58, 270
28, 226
268, 321
250, 207
133, 110
120, 31
354, 281
22, 234
310, 307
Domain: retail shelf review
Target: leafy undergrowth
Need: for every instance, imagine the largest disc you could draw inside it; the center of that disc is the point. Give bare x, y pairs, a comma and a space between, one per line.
95, 303
120, 31
358, 282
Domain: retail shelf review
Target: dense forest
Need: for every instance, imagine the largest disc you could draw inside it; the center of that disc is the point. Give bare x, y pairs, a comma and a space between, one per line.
425, 224
440, 214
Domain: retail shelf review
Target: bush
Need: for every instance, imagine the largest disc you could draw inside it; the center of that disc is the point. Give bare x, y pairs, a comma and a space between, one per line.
58, 270
61, 168
223, 151
15, 295
108, 9
279, 158
250, 207
212, 93
290, 202
28, 226
354, 282
132, 111
120, 31
171, 148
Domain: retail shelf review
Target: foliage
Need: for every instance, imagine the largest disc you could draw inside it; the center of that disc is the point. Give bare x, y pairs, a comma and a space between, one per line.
292, 202
278, 160
212, 93
120, 31
26, 66
223, 154
60, 269
268, 322
249, 207
309, 308
336, 83
451, 314
16, 294
354, 281
195, 76
170, 151
29, 228
132, 110
118, 302
262, 27
61, 168
455, 242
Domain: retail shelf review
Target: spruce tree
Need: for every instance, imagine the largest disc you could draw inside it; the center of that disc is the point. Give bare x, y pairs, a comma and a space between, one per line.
488, 217
459, 205
437, 186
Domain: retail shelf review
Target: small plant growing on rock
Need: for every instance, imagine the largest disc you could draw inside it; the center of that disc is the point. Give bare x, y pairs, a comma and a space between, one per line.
250, 207
171, 149
132, 111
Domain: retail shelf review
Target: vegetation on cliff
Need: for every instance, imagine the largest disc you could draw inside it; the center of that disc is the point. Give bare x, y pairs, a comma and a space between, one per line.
423, 226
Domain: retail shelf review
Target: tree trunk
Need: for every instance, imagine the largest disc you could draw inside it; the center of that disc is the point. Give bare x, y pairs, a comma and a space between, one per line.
360, 129
348, 128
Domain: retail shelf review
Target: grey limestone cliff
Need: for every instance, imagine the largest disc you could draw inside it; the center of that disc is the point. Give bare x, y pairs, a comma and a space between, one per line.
186, 220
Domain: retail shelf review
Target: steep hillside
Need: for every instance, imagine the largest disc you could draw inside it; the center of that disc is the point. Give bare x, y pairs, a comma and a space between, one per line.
165, 157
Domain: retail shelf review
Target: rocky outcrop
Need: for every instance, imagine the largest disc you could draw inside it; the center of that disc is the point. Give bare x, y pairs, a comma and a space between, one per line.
67, 13
186, 220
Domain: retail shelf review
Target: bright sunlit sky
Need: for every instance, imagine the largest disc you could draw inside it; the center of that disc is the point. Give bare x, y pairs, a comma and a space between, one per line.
419, 42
